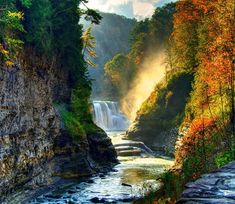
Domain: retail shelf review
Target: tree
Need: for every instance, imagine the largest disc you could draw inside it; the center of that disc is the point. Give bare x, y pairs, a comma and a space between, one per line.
11, 24
38, 26
161, 24
88, 46
184, 36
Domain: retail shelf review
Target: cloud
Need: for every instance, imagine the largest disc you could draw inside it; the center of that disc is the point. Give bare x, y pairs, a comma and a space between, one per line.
143, 9
129, 8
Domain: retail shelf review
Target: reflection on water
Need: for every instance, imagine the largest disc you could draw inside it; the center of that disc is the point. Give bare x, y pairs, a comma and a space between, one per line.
119, 186
141, 169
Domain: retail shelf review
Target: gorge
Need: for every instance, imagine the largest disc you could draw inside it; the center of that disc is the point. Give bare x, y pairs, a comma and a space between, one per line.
124, 182
99, 108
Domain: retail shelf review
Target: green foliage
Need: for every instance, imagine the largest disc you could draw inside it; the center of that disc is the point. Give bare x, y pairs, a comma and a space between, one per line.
147, 37
68, 45
73, 126
38, 26
10, 25
119, 71
141, 27
93, 16
78, 119
173, 184
112, 37
165, 106
51, 30
79, 104
225, 158
138, 48
161, 24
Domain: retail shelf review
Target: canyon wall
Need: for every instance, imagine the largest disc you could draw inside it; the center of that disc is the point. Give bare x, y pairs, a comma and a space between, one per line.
34, 145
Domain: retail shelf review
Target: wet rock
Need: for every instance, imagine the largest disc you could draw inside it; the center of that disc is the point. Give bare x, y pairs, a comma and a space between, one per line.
144, 130
102, 176
125, 184
126, 200
101, 148
71, 191
72, 202
40, 200
129, 153
75, 199
97, 200
90, 181
216, 187
54, 196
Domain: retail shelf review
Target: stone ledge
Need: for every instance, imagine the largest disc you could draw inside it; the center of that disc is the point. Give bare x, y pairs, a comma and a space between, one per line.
215, 187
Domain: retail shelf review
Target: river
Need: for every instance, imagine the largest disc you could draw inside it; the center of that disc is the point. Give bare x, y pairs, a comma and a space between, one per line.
131, 178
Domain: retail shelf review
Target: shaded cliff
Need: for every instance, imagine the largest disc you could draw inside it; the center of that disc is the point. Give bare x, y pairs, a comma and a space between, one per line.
160, 116
34, 144
42, 67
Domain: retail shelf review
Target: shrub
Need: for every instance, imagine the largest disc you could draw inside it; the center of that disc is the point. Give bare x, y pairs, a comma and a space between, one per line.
73, 126
224, 158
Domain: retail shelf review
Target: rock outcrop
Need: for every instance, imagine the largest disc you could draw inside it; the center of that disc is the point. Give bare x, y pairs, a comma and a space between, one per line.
214, 188
163, 142
160, 116
33, 146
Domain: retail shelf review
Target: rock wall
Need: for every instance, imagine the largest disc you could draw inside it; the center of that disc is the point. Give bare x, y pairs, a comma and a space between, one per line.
163, 142
33, 146
161, 115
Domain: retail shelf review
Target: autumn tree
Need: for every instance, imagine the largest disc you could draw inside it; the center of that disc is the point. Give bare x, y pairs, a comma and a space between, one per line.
208, 52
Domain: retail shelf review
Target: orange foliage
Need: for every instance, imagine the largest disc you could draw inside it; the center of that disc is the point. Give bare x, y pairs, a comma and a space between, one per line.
199, 125
211, 52
217, 67
9, 63
186, 11
199, 129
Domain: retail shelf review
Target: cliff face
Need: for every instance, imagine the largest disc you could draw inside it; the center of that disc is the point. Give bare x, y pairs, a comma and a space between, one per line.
160, 116
33, 144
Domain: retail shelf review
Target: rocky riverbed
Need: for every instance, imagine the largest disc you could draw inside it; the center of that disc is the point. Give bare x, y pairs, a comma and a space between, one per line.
131, 179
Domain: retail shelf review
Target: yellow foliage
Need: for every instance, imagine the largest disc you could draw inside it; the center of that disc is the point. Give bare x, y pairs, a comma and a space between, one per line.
3, 51
19, 15
9, 63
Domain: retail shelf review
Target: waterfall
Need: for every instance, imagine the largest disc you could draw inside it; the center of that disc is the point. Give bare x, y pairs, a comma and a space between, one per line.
108, 116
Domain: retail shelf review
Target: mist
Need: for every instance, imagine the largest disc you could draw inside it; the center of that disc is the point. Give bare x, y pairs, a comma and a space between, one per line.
150, 73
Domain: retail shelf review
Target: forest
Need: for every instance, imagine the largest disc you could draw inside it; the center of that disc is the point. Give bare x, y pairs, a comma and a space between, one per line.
96, 107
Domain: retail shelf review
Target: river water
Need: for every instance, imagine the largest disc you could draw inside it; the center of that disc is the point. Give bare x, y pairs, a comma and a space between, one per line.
132, 178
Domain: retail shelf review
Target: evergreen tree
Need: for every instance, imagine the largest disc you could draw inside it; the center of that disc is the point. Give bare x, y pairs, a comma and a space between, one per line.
38, 26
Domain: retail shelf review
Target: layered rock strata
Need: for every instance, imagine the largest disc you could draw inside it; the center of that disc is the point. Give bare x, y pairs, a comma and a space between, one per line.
34, 146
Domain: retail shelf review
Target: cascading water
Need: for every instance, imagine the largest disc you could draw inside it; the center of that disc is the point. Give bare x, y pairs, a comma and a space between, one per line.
108, 116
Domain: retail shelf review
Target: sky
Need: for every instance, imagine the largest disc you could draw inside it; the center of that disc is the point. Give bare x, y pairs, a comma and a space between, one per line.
130, 8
